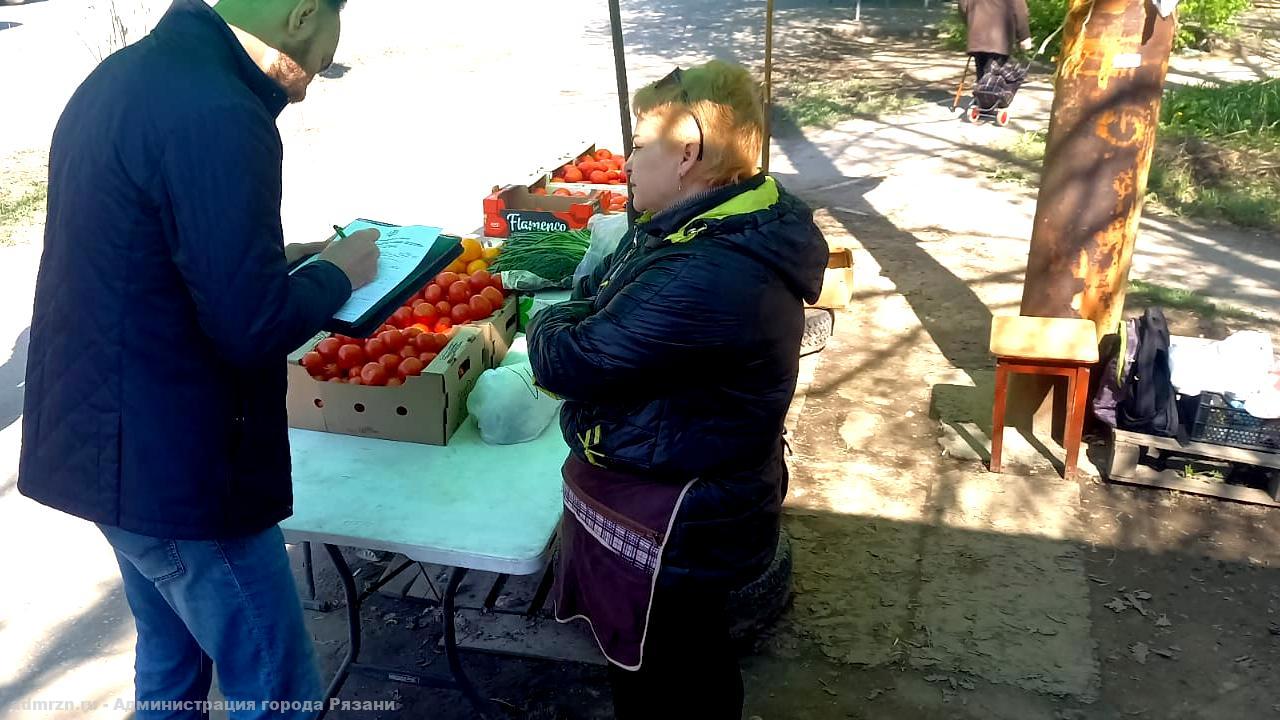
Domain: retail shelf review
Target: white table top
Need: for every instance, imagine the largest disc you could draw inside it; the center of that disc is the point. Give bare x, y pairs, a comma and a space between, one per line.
468, 504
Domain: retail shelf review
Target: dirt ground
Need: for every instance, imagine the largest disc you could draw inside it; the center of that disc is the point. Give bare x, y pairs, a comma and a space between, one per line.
925, 587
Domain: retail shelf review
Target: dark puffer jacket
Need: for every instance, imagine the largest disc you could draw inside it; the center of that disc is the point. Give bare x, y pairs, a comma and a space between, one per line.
678, 360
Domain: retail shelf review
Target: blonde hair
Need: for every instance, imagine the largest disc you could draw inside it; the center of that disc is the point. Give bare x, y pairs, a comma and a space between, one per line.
726, 102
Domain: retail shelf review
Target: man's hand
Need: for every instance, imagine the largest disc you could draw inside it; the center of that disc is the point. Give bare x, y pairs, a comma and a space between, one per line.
1026, 44
297, 251
356, 255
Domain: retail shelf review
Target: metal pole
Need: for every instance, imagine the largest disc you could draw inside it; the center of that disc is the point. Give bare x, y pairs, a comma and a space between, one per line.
620, 68
768, 85
1102, 131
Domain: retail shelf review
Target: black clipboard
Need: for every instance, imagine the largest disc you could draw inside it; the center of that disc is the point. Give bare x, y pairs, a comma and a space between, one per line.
444, 251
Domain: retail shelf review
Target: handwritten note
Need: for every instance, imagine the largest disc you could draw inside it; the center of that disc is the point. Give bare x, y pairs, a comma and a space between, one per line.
402, 250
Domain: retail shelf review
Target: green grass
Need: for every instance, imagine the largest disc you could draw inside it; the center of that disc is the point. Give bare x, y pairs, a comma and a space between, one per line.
21, 209
1250, 110
1027, 152
1144, 294
823, 104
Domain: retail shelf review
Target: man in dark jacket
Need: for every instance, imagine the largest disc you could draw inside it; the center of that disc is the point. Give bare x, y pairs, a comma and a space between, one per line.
994, 26
163, 315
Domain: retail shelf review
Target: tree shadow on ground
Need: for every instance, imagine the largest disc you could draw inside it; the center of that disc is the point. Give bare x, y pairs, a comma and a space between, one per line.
73, 641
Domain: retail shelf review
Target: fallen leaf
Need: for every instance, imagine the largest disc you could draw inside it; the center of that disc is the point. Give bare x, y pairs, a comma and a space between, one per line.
1142, 595
935, 678
875, 693
1117, 605
967, 684
1163, 653
1163, 621
1139, 652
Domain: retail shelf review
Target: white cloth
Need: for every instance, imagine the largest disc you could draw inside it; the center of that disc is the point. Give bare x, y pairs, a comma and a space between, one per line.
1241, 367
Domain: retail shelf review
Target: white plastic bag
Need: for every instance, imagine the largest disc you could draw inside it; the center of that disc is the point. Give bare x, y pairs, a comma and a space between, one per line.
606, 232
508, 407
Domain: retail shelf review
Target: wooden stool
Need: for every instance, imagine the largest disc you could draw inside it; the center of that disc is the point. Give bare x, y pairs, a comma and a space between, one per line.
1044, 346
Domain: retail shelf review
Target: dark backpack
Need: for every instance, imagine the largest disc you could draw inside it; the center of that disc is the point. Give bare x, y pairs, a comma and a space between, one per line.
1148, 403
1116, 353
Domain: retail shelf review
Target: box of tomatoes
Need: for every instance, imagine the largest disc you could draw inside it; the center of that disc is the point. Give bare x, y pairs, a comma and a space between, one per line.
407, 385
459, 299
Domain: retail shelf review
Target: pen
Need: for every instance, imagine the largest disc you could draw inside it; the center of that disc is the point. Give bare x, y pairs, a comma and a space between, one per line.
338, 229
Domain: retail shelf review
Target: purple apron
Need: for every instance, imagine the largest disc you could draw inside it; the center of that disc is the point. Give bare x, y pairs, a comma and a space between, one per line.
611, 544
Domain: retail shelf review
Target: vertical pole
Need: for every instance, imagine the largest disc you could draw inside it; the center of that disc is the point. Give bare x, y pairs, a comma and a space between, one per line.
1102, 131
620, 69
768, 85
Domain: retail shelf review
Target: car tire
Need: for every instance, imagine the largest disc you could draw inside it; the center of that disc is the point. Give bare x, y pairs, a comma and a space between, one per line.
756, 606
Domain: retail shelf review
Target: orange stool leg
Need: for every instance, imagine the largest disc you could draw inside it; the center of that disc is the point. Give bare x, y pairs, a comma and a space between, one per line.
997, 414
1077, 399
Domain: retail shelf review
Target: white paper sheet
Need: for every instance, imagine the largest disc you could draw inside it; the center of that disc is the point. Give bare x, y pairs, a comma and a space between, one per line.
403, 249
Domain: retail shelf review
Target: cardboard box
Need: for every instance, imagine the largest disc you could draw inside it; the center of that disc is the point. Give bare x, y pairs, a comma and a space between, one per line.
515, 209
427, 409
837, 281
499, 331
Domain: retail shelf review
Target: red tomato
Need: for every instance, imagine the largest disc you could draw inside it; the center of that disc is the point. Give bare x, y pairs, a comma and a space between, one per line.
426, 358
413, 331
344, 339
425, 312
409, 351
421, 328
411, 366
387, 327
622, 176
433, 294
330, 370
445, 279
328, 348
394, 382
389, 363
461, 314
373, 374
394, 340
479, 280
599, 177
375, 348
481, 308
402, 317
444, 307
493, 295
313, 361
459, 292
443, 325
603, 154
426, 342
350, 356
355, 372
497, 283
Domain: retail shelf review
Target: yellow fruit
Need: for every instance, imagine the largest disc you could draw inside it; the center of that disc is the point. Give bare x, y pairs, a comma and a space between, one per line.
476, 266
491, 253
471, 250
457, 266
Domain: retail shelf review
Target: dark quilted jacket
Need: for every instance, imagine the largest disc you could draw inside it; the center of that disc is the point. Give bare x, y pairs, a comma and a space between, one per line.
163, 312
680, 358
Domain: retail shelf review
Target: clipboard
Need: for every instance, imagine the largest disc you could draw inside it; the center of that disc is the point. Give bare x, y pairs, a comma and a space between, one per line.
443, 251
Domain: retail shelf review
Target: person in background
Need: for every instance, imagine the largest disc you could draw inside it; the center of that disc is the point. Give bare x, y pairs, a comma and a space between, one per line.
163, 316
995, 26
678, 360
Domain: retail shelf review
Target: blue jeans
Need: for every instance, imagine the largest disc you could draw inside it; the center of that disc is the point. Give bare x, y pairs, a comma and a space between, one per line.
229, 605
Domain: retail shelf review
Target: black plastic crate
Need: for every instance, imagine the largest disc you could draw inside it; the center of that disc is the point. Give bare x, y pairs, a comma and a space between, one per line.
1218, 423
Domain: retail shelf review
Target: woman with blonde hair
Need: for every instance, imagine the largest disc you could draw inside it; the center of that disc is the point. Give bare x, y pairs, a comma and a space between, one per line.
678, 359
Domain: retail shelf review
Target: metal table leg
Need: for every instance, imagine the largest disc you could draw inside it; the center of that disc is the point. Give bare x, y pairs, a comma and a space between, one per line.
451, 644
351, 661
353, 625
309, 601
